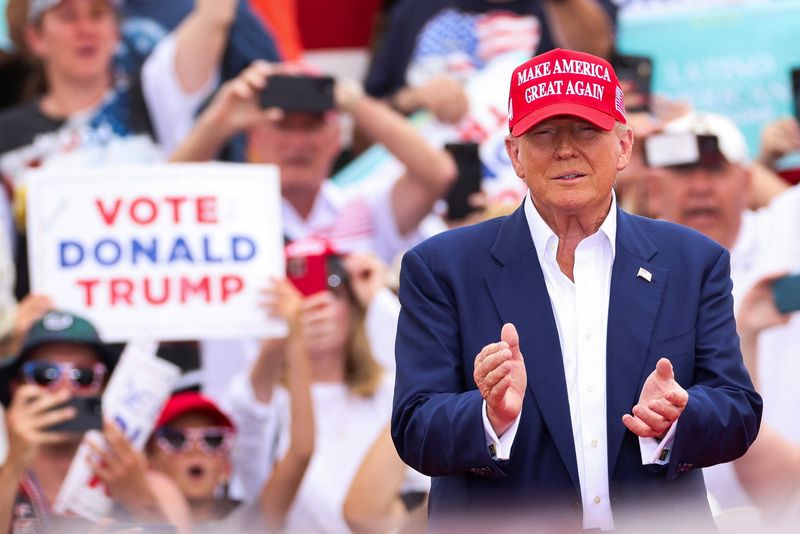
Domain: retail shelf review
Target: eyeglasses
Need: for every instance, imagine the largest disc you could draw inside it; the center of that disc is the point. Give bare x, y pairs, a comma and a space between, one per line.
51, 374
211, 439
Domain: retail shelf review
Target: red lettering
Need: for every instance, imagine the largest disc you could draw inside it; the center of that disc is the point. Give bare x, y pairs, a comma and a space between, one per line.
121, 291
471, 130
231, 284
148, 296
203, 287
88, 286
207, 210
176, 203
135, 212
501, 116
108, 216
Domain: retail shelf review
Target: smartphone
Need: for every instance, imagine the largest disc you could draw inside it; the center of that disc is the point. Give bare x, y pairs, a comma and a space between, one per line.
470, 174
675, 150
795, 73
786, 291
638, 72
89, 415
312, 94
313, 267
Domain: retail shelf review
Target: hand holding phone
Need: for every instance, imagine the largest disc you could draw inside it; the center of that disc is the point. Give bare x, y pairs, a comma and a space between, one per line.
88, 415
313, 266
635, 75
309, 94
786, 291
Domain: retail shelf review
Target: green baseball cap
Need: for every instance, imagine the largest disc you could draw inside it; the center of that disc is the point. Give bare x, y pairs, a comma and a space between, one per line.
61, 326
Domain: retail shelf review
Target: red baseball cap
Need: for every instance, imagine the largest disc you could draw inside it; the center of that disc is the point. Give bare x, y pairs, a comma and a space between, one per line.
190, 401
564, 82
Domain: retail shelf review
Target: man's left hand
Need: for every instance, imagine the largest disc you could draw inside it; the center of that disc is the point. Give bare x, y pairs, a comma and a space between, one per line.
660, 404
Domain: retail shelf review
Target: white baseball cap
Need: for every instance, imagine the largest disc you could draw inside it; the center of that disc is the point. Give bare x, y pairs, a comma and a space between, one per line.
36, 8
731, 141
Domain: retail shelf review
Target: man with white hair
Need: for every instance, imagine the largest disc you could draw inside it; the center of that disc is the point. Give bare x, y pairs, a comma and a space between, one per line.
701, 176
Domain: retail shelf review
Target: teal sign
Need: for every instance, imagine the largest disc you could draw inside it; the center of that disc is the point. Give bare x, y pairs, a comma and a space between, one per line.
730, 60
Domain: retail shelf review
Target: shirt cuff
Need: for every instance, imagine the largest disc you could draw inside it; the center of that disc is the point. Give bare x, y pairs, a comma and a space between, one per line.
655, 451
499, 448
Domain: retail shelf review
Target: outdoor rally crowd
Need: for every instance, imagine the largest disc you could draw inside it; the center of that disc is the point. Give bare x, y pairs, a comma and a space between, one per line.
293, 433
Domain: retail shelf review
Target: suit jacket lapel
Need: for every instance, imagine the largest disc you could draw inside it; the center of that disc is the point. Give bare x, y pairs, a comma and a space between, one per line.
520, 294
633, 308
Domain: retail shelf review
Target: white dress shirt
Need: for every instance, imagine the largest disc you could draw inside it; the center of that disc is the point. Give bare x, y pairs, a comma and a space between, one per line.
580, 309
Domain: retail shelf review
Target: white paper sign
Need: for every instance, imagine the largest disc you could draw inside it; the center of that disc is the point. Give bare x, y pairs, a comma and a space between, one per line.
167, 252
133, 399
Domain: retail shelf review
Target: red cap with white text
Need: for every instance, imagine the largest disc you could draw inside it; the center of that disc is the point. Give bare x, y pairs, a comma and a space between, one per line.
564, 82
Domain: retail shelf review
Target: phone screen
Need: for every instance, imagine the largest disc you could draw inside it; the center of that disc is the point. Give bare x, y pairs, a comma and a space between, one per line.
470, 174
312, 94
786, 291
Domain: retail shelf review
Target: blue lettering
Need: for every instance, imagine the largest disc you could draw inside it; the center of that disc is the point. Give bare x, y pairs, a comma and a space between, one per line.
110, 245
237, 243
180, 251
67, 259
139, 249
207, 251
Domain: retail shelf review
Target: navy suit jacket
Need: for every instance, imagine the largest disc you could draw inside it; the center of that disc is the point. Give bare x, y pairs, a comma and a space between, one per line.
458, 289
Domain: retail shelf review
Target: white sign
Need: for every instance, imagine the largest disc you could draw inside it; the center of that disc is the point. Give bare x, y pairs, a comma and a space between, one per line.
167, 252
133, 400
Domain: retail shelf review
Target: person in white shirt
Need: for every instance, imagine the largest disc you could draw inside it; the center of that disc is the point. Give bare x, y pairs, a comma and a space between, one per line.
712, 196
570, 365
351, 396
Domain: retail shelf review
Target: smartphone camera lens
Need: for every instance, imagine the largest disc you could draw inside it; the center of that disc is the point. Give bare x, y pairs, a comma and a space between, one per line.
334, 281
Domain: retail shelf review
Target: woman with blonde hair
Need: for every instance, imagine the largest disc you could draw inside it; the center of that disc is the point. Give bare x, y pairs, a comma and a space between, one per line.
351, 396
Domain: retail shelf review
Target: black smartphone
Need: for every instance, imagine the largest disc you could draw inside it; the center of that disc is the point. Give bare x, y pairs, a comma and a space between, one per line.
796, 92
470, 174
311, 94
682, 150
637, 71
786, 291
89, 415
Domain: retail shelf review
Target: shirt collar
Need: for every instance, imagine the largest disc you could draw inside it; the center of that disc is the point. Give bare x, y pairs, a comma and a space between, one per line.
542, 234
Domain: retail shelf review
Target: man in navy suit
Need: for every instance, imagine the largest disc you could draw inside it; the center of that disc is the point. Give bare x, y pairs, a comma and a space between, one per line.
569, 365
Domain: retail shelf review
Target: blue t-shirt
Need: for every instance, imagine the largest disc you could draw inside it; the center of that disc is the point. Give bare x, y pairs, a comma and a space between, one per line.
455, 37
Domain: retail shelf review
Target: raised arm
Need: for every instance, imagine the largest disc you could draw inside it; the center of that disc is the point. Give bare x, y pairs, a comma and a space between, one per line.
373, 503
581, 25
281, 488
234, 109
429, 173
201, 40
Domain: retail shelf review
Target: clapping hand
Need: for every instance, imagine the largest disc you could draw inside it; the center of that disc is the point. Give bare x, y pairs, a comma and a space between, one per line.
660, 404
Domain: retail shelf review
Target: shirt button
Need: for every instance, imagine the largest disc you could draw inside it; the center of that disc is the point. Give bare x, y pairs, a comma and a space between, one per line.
594, 443
597, 500
588, 335
589, 389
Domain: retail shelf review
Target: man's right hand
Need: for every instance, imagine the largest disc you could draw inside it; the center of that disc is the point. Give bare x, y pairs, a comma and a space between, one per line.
30, 414
237, 105
501, 378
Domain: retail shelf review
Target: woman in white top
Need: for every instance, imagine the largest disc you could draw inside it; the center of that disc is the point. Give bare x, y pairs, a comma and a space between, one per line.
351, 396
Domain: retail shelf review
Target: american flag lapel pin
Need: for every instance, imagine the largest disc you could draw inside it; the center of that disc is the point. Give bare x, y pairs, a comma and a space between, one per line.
645, 274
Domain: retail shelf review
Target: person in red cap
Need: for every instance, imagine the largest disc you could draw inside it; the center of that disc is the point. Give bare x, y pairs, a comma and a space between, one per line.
570, 362
193, 443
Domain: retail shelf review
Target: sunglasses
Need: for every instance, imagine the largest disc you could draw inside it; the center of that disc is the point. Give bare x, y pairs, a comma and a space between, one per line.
211, 439
51, 374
